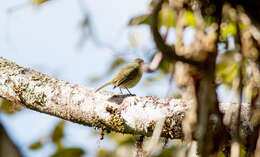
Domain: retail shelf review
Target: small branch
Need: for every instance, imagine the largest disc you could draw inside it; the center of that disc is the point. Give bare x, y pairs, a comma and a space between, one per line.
154, 65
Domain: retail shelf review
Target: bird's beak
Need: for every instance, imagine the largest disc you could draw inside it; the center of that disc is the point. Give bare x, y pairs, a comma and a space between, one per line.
144, 67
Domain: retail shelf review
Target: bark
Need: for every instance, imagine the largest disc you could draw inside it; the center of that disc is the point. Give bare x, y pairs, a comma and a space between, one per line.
104, 110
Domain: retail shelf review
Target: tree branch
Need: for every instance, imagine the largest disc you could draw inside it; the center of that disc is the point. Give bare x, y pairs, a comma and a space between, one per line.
166, 50
105, 110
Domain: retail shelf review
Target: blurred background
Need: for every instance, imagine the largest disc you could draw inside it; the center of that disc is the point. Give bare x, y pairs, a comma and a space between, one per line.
66, 39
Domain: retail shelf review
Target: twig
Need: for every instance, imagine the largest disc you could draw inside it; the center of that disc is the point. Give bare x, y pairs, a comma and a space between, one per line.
157, 58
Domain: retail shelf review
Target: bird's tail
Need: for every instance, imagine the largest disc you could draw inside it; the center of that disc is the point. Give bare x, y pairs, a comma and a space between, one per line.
104, 86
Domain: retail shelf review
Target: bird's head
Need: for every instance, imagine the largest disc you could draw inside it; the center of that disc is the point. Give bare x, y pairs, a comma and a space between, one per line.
139, 60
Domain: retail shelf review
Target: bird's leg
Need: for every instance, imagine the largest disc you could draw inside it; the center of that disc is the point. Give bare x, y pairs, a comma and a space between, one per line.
130, 92
120, 90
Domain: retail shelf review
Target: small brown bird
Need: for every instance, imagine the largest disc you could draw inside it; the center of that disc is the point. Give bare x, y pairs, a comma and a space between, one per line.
128, 76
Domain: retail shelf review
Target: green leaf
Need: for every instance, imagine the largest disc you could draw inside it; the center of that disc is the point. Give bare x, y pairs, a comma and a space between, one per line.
166, 17
220, 154
138, 20
36, 145
122, 139
210, 19
242, 26
177, 96
190, 18
242, 150
165, 66
229, 29
105, 153
58, 134
9, 107
226, 72
227, 68
69, 152
38, 2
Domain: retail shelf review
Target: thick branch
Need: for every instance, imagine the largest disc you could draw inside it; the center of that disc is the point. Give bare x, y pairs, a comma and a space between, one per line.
105, 110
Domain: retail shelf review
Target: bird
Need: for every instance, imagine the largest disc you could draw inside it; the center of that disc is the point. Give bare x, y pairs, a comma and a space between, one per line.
127, 77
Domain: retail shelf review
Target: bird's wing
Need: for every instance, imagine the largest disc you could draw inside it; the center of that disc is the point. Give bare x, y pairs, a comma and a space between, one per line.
124, 76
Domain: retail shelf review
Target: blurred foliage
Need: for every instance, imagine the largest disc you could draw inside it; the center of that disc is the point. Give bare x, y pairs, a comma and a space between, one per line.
209, 20
38, 2
138, 20
190, 18
220, 154
115, 64
241, 26
36, 145
152, 79
166, 18
56, 137
226, 72
255, 119
122, 139
105, 153
227, 29
227, 68
69, 152
125, 144
167, 152
58, 134
164, 69
177, 96
9, 107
